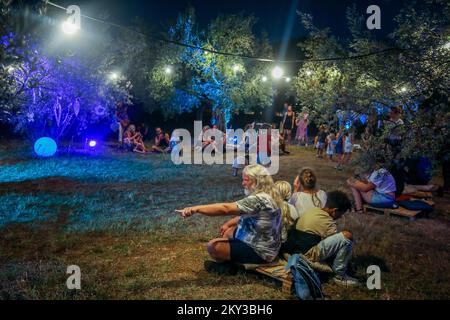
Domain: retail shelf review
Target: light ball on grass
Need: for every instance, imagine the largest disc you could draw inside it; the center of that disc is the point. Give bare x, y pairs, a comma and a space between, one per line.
45, 147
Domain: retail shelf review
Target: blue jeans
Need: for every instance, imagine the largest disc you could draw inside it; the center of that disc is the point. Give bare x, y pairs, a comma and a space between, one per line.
339, 248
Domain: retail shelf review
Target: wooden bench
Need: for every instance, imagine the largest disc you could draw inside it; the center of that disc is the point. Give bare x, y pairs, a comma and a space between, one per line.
275, 271
421, 195
411, 215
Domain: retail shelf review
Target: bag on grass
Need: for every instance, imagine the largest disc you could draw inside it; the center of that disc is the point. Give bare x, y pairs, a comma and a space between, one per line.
416, 205
306, 282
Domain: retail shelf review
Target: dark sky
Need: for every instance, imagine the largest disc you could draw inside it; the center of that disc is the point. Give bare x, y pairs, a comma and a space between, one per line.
273, 15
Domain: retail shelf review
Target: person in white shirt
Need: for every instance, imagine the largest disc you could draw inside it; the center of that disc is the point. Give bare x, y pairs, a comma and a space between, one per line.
306, 194
378, 190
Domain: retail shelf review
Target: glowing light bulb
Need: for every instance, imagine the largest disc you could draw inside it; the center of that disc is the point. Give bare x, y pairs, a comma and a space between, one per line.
69, 27
114, 76
277, 73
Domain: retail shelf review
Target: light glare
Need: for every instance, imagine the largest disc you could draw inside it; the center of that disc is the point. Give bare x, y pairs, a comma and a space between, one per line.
277, 73
69, 27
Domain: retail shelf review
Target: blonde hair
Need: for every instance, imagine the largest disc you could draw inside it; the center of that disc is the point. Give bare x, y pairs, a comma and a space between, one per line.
263, 182
285, 190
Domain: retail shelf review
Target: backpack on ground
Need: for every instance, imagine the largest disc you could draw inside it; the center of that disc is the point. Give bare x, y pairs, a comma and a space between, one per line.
307, 285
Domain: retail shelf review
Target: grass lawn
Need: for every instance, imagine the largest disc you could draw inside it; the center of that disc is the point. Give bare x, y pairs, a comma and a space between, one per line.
112, 215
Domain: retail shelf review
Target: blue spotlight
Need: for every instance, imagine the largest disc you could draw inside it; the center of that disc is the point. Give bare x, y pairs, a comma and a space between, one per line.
45, 147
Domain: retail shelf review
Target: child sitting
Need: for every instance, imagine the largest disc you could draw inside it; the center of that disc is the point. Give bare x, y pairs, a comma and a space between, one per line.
316, 237
289, 212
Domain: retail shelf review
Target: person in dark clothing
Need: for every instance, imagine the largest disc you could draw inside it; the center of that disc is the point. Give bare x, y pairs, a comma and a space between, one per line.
162, 142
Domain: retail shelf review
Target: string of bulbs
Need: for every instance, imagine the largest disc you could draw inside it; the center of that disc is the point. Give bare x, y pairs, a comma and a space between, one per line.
237, 55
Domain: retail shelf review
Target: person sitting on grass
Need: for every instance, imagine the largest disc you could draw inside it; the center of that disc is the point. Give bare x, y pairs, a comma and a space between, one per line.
253, 236
133, 140
378, 190
306, 194
162, 142
315, 236
289, 212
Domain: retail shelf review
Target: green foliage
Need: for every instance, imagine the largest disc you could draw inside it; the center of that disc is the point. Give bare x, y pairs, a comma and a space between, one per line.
410, 69
200, 78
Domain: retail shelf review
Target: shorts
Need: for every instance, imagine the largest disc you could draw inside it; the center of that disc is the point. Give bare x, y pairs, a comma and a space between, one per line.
320, 145
241, 252
382, 199
348, 149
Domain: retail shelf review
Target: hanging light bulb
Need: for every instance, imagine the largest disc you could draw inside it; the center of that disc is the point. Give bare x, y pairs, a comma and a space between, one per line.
168, 70
277, 72
69, 27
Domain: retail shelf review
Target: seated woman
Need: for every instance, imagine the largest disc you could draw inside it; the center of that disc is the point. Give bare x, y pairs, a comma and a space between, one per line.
289, 212
253, 236
133, 140
378, 190
306, 194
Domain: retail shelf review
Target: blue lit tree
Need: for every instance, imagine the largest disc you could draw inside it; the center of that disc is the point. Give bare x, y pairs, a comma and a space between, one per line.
54, 93
185, 78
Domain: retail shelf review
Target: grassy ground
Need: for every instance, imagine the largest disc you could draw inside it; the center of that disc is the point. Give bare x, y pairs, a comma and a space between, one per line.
112, 215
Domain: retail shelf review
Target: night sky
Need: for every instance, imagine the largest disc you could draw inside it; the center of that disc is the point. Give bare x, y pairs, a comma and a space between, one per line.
273, 15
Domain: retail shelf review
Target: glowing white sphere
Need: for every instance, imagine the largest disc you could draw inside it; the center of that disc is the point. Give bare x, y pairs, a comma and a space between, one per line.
69, 28
114, 76
309, 72
288, 79
168, 70
264, 79
277, 73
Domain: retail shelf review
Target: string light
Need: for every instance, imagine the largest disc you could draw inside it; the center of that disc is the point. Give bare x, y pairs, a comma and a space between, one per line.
69, 27
114, 76
277, 72
233, 54
264, 79
168, 70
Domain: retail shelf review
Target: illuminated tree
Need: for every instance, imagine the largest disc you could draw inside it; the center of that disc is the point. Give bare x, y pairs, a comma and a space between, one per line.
198, 78
409, 69
55, 92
